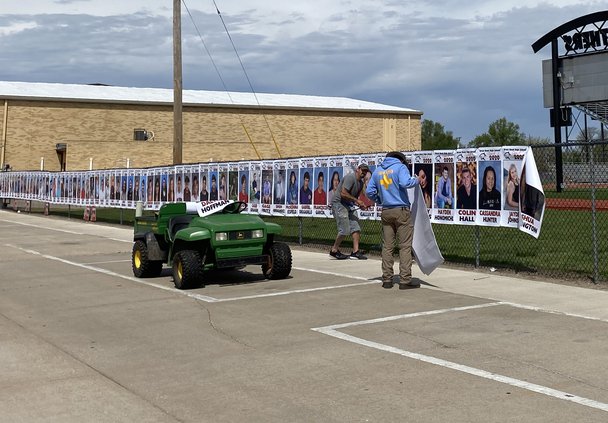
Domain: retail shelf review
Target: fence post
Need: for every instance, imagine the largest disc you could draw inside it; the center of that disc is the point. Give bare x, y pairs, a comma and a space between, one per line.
596, 274
477, 248
300, 229
139, 209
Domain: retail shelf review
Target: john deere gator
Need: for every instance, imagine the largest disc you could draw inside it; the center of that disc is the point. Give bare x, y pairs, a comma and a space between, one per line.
193, 238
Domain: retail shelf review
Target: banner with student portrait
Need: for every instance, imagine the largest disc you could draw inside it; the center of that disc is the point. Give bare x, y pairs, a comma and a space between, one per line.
485, 187
369, 211
444, 178
233, 181
319, 187
466, 186
305, 191
136, 186
243, 182
156, 186
350, 164
335, 170
143, 187
531, 197
279, 191
203, 181
266, 190
255, 172
489, 183
292, 197
164, 186
423, 169
213, 182
512, 163
222, 182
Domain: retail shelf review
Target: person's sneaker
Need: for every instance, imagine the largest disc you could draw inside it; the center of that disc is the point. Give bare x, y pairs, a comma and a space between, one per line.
387, 285
338, 255
409, 285
357, 255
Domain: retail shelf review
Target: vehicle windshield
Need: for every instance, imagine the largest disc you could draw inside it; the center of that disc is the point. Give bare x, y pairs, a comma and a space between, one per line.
235, 207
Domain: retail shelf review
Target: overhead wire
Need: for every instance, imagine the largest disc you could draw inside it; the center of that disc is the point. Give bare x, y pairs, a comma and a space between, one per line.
220, 76
247, 76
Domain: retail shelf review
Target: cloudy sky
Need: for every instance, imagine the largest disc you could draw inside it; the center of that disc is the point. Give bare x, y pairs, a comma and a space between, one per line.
464, 64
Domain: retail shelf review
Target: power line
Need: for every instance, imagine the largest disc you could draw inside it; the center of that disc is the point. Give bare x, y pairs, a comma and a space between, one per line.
246, 76
220, 76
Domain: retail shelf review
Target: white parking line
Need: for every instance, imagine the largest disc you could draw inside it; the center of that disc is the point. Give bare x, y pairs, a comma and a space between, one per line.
332, 331
341, 275
43, 227
62, 230
294, 291
205, 298
106, 262
118, 275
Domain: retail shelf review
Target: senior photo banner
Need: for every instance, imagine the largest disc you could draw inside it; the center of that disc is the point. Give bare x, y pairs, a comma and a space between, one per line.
512, 163
444, 177
370, 210
279, 192
466, 188
493, 186
531, 197
489, 177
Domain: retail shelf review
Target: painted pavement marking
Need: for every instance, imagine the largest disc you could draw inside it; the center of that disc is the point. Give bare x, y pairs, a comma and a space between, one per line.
332, 330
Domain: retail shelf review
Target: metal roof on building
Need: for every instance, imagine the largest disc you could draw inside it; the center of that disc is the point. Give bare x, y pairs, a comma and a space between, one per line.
162, 96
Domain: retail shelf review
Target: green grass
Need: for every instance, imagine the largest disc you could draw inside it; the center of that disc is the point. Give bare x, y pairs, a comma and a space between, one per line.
578, 193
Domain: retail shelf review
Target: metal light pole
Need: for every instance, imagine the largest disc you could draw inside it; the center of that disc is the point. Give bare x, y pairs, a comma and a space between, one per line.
557, 130
177, 83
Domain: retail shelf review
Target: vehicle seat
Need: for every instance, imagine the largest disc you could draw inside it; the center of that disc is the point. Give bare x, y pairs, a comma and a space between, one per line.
177, 223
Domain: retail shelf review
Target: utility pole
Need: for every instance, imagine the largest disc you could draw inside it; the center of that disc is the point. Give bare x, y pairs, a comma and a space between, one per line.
177, 82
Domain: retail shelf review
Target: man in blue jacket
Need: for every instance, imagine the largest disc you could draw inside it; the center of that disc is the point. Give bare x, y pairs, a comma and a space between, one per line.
388, 187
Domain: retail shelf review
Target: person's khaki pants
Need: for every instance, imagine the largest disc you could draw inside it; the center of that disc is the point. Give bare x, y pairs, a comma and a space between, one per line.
397, 223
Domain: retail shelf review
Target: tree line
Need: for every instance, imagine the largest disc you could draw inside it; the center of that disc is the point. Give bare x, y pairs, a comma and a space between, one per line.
500, 132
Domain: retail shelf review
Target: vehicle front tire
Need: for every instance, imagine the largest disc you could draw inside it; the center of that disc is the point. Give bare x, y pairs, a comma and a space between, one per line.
142, 266
279, 261
187, 269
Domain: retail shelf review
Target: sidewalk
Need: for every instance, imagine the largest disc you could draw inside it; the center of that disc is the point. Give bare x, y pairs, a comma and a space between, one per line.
551, 297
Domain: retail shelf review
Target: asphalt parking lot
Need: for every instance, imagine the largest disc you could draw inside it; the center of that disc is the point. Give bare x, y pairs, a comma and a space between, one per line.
81, 339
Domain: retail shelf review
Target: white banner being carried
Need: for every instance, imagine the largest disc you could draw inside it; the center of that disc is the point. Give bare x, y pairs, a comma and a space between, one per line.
531, 197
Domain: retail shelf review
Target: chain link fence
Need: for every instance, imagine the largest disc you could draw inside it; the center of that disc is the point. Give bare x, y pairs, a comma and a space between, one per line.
572, 244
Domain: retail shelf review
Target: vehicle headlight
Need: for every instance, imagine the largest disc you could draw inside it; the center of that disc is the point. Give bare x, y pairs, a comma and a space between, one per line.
221, 236
258, 233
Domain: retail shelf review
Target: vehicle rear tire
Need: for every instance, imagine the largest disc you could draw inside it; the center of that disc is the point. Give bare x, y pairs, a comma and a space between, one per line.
142, 266
187, 269
279, 261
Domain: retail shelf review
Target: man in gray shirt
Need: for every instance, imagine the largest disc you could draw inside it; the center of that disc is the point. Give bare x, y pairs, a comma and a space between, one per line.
344, 203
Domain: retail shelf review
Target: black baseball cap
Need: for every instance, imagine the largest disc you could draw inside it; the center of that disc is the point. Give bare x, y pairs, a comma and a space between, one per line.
398, 155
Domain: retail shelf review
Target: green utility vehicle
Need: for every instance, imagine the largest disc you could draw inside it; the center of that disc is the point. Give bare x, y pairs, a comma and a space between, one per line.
195, 237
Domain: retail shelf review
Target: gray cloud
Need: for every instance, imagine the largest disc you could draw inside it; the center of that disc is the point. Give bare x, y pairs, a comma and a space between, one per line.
463, 73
